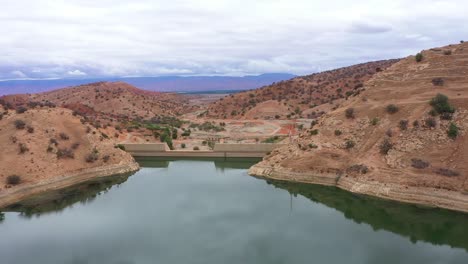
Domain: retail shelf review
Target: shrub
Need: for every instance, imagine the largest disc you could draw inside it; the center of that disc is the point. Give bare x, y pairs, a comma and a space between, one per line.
338, 133
447, 52
183, 145
64, 136
75, 145
21, 109
30, 129
93, 156
430, 122
389, 132
53, 141
349, 144
392, 109
13, 180
23, 148
65, 153
446, 116
441, 104
419, 57
446, 172
438, 82
120, 146
403, 124
349, 113
419, 164
106, 158
196, 148
314, 132
20, 124
312, 146
452, 132
385, 146
358, 168
375, 121
416, 123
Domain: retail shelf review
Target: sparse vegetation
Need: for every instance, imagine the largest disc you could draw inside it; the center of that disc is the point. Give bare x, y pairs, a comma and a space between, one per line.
349, 113
314, 132
419, 163
385, 146
273, 139
21, 109
338, 133
93, 156
13, 180
64, 136
20, 124
446, 172
358, 168
430, 122
403, 124
392, 109
375, 121
349, 144
419, 57
65, 153
441, 104
452, 132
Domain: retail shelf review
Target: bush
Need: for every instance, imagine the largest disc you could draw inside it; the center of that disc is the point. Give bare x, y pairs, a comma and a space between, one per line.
430, 122
441, 104
416, 123
338, 133
13, 180
446, 172
375, 121
75, 145
349, 144
314, 132
447, 52
23, 148
403, 124
452, 132
438, 82
53, 141
93, 156
65, 153
392, 109
183, 145
349, 113
20, 124
30, 129
120, 146
196, 148
419, 57
106, 158
21, 109
358, 168
446, 116
389, 132
419, 164
64, 136
386, 146
312, 146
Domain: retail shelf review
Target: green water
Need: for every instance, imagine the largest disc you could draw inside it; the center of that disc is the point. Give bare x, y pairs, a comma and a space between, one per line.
213, 212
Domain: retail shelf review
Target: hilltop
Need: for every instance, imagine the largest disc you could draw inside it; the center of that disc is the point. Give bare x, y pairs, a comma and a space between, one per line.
50, 145
107, 101
403, 137
298, 97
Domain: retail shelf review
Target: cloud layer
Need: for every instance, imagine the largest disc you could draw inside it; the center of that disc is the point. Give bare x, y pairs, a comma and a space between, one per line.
88, 38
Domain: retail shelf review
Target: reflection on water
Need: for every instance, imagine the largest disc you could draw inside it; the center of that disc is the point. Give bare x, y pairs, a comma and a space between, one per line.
437, 226
58, 200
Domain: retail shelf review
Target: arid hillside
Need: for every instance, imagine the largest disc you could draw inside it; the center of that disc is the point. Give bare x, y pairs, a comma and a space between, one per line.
298, 97
404, 137
44, 143
106, 101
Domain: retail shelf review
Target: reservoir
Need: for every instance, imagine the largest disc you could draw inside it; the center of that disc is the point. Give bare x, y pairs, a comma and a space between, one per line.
212, 211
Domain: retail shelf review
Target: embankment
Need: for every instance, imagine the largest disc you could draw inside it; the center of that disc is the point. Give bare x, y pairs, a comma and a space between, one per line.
19, 193
425, 196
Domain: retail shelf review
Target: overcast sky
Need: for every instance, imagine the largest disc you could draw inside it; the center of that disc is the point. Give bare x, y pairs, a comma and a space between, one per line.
88, 38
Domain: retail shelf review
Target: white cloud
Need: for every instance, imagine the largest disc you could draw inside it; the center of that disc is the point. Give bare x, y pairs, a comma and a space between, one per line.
60, 38
19, 74
76, 73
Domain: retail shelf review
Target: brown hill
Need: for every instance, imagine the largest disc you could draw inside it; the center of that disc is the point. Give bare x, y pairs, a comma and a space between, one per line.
298, 96
106, 101
44, 145
390, 141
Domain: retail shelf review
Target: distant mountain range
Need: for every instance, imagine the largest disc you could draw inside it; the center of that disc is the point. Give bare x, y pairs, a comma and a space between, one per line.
163, 84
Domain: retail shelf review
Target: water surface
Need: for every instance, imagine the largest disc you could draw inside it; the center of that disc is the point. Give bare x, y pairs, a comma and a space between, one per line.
213, 212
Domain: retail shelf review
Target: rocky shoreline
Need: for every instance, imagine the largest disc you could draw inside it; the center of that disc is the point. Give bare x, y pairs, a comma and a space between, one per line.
14, 195
425, 196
